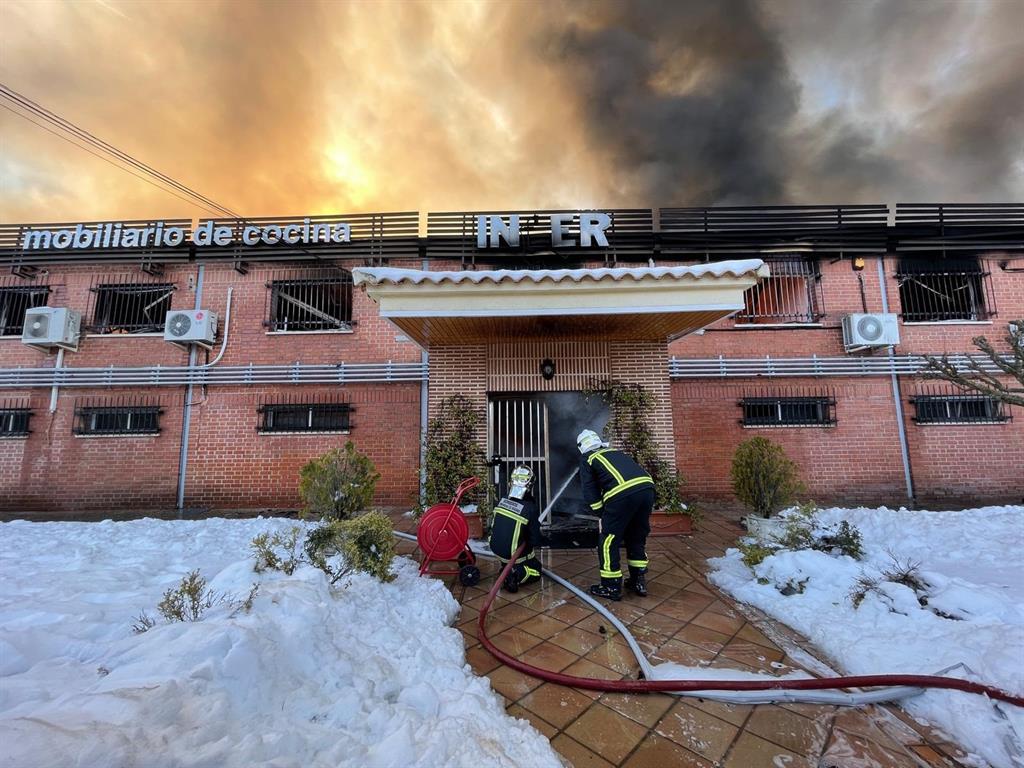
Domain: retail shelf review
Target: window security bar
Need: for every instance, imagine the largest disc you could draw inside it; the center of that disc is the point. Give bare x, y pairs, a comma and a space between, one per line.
959, 409
14, 422
791, 295
307, 417
15, 301
944, 291
116, 418
129, 306
318, 302
788, 411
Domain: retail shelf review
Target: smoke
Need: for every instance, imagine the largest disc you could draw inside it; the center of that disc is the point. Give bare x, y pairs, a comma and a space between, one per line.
281, 109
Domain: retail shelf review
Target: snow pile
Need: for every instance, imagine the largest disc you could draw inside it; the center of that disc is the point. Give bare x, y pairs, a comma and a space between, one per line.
369, 675
973, 590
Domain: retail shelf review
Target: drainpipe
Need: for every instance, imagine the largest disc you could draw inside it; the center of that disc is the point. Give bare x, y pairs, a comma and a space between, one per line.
896, 396
424, 392
54, 389
187, 411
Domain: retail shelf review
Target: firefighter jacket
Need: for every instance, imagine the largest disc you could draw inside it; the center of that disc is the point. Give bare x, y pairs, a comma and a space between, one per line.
515, 522
607, 474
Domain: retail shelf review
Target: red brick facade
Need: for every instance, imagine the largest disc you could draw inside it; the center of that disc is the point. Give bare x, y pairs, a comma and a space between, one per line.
231, 465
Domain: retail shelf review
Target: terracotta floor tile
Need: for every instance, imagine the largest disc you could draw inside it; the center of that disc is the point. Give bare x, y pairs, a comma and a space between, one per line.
813, 711
607, 733
702, 637
515, 641
644, 708
660, 623
598, 624
698, 586
556, 704
683, 653
852, 749
614, 656
722, 607
627, 611
587, 668
736, 714
480, 659
751, 634
535, 720
865, 724
549, 656
788, 729
751, 751
671, 579
697, 731
543, 626
931, 757
577, 755
512, 614
569, 612
658, 752
577, 640
727, 625
511, 684
752, 654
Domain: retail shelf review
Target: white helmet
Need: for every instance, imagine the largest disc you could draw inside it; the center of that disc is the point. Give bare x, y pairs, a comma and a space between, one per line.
522, 477
588, 440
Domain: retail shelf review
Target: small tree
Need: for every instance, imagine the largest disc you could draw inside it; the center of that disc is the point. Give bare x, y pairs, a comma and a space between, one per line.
338, 484
452, 451
975, 377
763, 477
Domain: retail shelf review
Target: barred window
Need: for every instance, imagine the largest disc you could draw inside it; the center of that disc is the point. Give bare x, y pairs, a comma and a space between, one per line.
15, 301
948, 289
788, 411
959, 409
117, 419
791, 295
306, 417
320, 300
14, 422
130, 307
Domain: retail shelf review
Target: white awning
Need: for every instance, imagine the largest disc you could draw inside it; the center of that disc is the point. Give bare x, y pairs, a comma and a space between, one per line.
471, 306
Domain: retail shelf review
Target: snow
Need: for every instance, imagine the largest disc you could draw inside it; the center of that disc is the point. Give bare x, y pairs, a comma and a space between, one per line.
368, 674
378, 275
971, 564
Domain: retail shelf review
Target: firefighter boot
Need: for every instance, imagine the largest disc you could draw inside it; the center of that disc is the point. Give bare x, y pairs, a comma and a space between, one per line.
515, 575
637, 581
609, 589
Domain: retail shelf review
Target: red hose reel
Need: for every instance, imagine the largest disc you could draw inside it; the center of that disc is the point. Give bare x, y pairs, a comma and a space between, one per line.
443, 535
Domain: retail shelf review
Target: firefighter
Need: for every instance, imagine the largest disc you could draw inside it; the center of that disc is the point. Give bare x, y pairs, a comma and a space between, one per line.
621, 491
517, 520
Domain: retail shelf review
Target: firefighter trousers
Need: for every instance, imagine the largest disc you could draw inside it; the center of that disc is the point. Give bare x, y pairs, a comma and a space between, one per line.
625, 518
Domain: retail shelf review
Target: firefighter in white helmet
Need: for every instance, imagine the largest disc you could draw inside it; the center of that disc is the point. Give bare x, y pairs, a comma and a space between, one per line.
622, 492
517, 521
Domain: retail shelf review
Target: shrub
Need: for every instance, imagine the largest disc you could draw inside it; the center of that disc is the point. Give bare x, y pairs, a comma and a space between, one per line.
763, 477
846, 539
755, 553
338, 484
365, 543
861, 587
452, 453
277, 552
190, 600
143, 623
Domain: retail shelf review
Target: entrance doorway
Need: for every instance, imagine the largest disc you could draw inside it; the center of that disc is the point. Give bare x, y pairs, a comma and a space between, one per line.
539, 429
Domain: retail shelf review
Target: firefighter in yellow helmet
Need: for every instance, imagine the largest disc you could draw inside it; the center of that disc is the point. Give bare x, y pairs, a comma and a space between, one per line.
621, 491
517, 520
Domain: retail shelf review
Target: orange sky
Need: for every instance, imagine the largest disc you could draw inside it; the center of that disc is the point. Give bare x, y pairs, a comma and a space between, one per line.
328, 107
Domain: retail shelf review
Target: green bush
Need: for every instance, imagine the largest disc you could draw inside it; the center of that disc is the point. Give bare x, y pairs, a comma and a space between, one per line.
452, 452
277, 552
338, 484
190, 600
755, 553
365, 544
763, 477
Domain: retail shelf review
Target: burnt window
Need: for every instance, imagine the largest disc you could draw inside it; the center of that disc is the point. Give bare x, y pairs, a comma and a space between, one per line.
130, 307
959, 409
788, 411
792, 294
119, 419
306, 417
15, 301
14, 422
947, 289
317, 301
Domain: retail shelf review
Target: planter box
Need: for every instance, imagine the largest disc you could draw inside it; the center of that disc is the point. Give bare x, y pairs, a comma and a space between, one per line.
663, 524
764, 528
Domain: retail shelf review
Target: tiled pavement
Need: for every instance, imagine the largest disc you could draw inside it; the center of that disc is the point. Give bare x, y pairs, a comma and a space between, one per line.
686, 620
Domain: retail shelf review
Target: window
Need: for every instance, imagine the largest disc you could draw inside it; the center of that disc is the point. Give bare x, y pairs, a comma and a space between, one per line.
117, 419
130, 307
791, 295
959, 409
770, 411
15, 301
14, 422
310, 417
947, 289
319, 301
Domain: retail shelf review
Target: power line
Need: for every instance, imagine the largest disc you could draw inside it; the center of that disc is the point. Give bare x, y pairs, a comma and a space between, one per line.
68, 127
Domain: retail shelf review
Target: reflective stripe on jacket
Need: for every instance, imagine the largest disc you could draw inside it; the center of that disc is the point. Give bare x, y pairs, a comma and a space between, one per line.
607, 473
514, 522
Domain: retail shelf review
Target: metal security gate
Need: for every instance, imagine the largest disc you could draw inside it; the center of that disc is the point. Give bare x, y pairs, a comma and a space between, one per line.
517, 433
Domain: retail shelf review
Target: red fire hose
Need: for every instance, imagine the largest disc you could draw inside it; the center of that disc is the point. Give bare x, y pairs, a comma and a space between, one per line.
650, 686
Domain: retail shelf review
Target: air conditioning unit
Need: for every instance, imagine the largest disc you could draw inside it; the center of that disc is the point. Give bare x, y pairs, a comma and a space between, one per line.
191, 326
865, 331
52, 327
